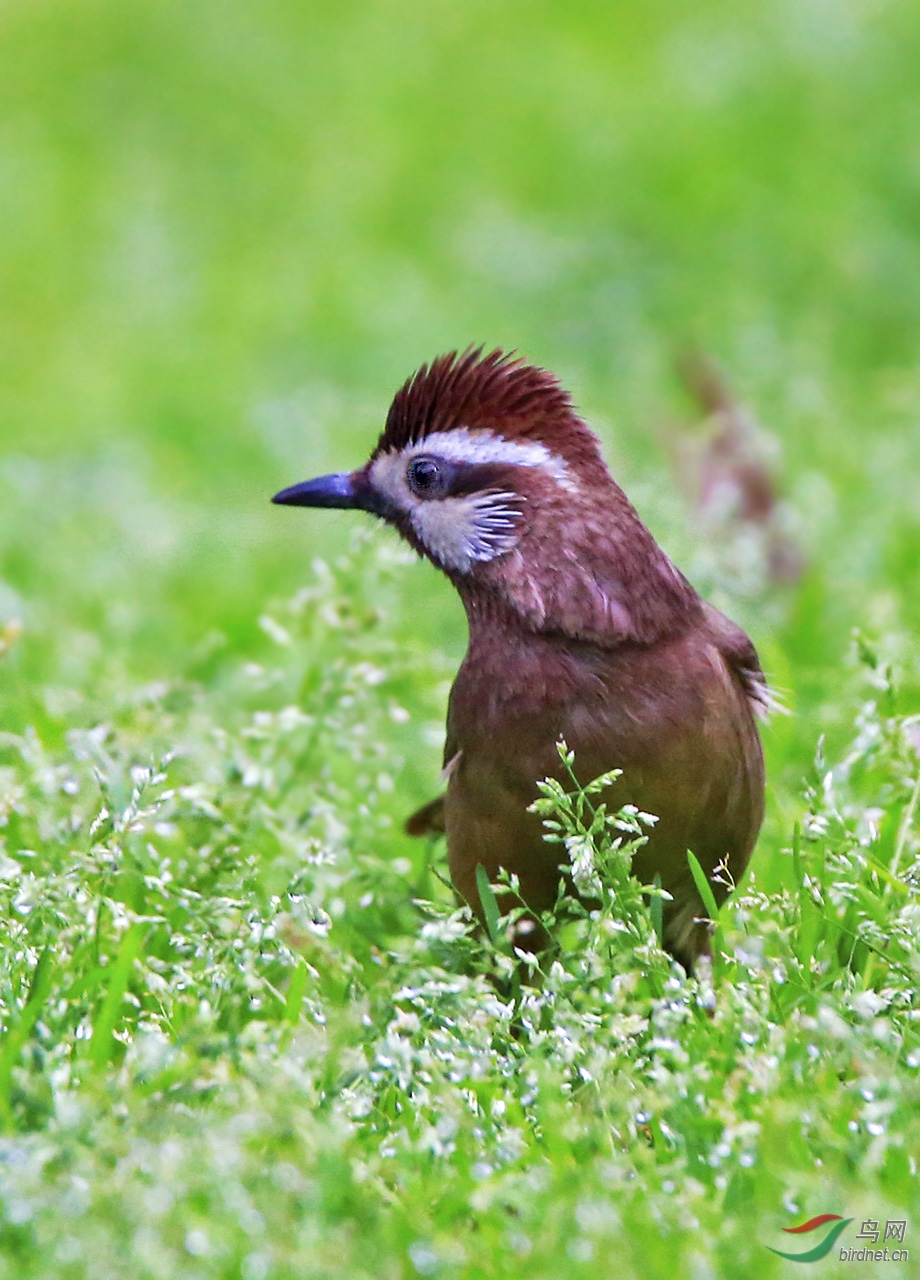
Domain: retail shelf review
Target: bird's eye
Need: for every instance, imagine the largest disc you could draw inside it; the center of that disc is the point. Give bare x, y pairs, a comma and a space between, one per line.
428, 477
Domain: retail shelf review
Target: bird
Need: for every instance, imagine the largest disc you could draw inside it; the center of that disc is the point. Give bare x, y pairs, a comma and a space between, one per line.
581, 630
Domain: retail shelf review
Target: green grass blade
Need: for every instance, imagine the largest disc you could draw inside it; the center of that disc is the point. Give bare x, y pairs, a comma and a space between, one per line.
100, 1046
489, 908
703, 886
709, 902
656, 911
17, 1036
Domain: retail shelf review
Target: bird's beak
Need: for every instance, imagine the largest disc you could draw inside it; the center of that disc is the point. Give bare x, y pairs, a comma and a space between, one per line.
337, 490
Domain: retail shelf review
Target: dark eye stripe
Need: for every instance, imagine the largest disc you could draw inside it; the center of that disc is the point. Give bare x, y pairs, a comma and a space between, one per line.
430, 476
477, 477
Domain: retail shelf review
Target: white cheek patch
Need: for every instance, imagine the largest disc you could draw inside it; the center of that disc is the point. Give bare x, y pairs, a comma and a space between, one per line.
461, 531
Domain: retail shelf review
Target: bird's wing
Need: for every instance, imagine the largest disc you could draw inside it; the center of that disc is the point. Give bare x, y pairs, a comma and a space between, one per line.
742, 661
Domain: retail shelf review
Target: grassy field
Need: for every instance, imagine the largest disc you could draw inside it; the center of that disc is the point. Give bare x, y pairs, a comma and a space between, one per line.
244, 1031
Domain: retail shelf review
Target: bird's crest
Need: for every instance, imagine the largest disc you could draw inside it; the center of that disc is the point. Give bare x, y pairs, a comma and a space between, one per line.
498, 392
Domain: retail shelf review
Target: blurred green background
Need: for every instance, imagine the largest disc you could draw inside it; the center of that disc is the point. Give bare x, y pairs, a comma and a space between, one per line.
228, 233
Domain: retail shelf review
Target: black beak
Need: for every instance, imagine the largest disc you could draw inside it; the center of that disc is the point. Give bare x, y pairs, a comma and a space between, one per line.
326, 491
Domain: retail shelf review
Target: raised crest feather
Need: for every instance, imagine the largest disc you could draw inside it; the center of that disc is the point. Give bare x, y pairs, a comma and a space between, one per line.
498, 391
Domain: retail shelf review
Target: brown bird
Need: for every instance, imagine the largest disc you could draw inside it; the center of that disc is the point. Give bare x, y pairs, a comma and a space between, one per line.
580, 628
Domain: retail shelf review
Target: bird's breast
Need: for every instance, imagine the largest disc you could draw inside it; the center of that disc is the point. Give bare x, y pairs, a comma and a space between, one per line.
512, 707
672, 718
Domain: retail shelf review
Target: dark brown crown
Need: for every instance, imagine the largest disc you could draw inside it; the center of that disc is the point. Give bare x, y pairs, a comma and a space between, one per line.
498, 392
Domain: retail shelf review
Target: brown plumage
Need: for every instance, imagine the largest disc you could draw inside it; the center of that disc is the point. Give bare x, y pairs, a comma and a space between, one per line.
580, 628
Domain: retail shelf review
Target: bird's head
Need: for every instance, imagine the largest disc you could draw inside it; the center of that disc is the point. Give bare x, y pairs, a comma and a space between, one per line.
485, 468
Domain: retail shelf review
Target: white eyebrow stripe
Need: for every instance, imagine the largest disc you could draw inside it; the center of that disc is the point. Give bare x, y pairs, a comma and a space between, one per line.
463, 445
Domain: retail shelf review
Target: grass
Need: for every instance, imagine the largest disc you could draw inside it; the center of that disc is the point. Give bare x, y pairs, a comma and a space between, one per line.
245, 1032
